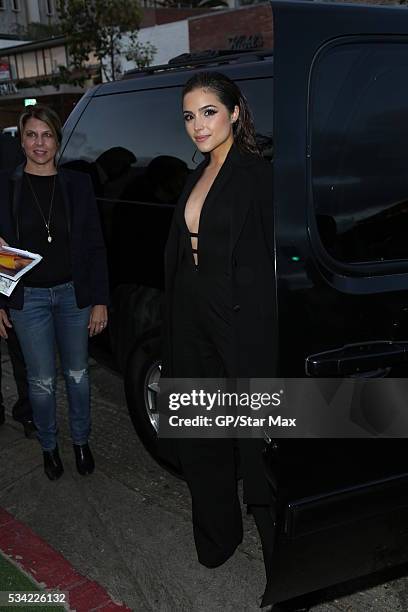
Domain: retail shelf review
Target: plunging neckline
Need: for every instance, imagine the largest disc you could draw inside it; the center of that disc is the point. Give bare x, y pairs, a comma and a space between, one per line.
197, 234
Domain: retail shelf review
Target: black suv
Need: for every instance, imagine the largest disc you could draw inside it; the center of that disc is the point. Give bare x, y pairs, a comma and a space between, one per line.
130, 137
334, 98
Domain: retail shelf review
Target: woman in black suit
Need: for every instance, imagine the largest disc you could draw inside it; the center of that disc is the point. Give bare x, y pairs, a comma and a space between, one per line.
221, 306
64, 298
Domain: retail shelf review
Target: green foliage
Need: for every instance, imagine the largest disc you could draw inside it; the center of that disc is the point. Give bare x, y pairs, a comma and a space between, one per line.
98, 26
141, 54
38, 31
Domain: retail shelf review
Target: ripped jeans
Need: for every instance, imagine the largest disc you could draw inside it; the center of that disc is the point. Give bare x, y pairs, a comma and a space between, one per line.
50, 318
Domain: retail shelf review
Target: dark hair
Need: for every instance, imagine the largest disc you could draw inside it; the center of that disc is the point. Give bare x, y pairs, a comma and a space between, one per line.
230, 95
43, 113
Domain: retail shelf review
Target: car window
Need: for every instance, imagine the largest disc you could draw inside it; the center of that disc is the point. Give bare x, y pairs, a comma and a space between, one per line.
134, 145
358, 126
135, 149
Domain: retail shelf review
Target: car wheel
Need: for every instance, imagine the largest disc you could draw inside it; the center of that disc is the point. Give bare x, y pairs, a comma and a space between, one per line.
142, 375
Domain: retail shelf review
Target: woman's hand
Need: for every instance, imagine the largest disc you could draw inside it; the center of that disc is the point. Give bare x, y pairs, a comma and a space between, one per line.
97, 321
3, 242
4, 323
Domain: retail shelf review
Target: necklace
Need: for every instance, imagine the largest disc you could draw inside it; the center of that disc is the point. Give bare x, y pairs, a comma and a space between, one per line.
46, 222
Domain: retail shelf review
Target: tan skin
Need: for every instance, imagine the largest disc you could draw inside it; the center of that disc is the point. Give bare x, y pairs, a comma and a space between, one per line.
40, 147
210, 125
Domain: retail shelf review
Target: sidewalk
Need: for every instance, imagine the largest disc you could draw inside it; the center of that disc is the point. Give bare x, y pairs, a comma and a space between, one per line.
132, 539
127, 527
34, 559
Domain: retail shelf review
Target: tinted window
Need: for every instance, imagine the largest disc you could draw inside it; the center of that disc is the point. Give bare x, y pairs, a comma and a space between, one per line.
135, 148
359, 138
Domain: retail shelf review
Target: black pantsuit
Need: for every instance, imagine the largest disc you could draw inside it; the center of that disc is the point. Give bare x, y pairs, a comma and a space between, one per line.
203, 348
207, 337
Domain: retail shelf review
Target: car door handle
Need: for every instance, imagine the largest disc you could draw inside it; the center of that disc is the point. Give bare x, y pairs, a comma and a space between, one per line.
355, 359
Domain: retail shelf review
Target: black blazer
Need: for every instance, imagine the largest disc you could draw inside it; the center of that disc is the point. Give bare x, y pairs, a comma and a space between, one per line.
88, 254
246, 180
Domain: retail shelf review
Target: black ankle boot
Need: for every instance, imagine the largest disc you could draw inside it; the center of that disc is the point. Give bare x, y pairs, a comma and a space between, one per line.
52, 464
84, 460
30, 430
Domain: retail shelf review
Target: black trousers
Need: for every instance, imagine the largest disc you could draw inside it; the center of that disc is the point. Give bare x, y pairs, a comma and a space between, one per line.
202, 348
22, 408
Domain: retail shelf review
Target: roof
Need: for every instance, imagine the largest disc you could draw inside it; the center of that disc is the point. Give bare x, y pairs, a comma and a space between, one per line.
44, 43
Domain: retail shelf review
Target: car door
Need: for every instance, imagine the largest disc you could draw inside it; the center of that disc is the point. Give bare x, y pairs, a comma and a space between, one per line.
341, 208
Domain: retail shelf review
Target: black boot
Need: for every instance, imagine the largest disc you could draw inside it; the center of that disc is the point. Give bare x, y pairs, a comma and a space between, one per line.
84, 460
30, 430
52, 464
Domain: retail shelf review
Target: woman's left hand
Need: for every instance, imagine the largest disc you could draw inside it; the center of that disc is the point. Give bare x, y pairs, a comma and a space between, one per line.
98, 319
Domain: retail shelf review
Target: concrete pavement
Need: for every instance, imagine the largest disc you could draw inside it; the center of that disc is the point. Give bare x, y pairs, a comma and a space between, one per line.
128, 525
115, 526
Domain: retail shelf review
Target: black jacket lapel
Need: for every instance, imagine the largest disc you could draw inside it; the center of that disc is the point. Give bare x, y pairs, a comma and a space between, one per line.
16, 180
190, 183
16, 186
241, 206
65, 187
231, 171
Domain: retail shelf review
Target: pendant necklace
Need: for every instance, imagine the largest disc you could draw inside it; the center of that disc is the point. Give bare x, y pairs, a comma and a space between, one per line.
46, 222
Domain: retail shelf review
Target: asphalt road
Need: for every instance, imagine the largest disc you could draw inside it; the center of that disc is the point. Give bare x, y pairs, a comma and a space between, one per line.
128, 525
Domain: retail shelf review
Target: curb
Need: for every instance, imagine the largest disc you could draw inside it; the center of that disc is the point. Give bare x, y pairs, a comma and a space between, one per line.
49, 568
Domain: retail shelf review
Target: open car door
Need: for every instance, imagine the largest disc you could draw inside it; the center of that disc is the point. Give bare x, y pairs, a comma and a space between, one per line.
341, 210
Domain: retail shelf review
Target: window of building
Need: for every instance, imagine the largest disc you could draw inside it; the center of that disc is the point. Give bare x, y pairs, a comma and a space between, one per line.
47, 61
50, 7
359, 162
40, 63
30, 65
2, 5
20, 66
13, 67
15, 5
58, 58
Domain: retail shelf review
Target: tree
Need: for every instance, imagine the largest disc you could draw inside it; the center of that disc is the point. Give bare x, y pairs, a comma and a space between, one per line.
97, 26
141, 54
38, 31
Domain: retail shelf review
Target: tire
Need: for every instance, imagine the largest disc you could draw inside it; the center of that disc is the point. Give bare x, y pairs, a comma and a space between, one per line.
142, 375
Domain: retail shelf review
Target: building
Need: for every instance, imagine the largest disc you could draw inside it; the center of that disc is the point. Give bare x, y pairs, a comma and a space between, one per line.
246, 27
16, 15
36, 71
165, 28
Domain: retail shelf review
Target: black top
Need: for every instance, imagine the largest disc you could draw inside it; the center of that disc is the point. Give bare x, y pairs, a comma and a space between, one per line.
87, 249
55, 267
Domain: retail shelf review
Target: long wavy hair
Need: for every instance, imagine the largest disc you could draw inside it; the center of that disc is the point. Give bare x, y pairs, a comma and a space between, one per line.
231, 96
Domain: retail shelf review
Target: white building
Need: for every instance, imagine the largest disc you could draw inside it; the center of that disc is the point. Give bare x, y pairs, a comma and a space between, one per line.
170, 39
15, 15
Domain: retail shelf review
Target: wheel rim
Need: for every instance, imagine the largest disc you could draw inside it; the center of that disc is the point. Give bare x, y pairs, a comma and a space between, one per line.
151, 391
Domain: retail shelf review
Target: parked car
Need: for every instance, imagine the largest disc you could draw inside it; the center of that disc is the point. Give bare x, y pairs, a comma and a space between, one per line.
331, 108
129, 136
11, 131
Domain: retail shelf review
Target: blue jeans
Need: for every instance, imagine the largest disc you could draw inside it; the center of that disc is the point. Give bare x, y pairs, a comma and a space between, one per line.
50, 318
